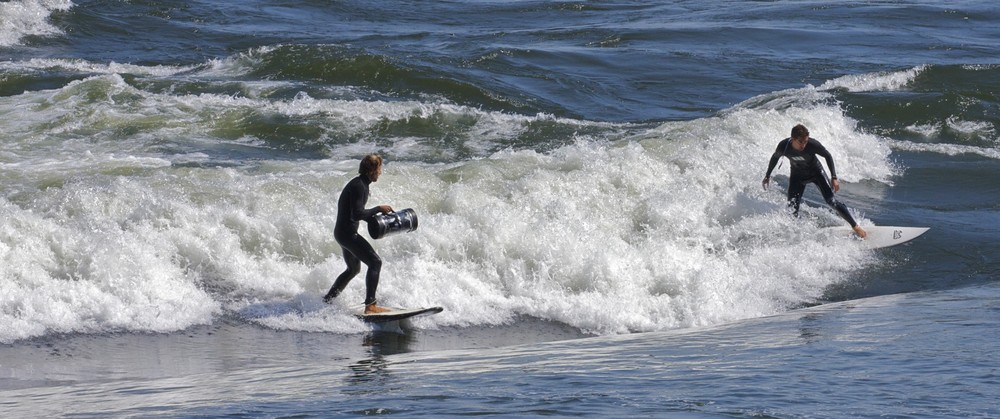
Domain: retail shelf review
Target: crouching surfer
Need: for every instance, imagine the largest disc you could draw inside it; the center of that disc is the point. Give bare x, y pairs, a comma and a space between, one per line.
805, 169
350, 212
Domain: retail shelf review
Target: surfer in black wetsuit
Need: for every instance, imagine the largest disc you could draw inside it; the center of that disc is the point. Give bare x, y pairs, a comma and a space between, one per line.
805, 169
350, 212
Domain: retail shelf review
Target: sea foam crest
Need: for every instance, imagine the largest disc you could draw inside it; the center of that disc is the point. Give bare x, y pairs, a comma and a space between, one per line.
947, 149
982, 136
21, 18
874, 82
89, 67
90, 114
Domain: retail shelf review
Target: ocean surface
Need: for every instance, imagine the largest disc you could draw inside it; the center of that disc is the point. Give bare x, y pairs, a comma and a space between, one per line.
588, 180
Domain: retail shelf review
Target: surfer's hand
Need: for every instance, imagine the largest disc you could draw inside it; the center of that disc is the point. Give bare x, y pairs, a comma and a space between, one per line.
385, 209
836, 185
765, 182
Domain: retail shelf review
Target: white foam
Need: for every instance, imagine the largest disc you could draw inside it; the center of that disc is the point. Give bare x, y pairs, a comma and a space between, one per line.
946, 149
21, 18
926, 130
976, 131
971, 128
875, 82
661, 229
101, 107
88, 67
83, 275
667, 231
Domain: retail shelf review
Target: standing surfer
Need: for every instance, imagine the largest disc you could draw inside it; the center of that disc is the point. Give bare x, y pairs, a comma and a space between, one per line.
805, 169
350, 212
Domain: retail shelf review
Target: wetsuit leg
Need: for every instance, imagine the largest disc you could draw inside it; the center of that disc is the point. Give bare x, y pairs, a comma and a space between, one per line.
796, 186
353, 268
356, 251
827, 191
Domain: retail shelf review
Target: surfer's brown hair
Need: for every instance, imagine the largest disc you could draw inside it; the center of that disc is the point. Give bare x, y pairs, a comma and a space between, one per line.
800, 131
369, 165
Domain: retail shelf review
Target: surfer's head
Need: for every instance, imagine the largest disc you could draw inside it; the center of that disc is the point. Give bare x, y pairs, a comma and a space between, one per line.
371, 167
800, 131
800, 136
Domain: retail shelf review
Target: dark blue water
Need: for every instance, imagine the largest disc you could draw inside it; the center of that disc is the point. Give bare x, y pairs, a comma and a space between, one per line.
587, 174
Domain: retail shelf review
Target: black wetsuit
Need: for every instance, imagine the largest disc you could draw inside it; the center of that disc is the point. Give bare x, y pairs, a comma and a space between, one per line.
350, 212
807, 169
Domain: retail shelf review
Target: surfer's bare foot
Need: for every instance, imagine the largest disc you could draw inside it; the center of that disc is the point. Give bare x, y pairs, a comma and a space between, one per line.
372, 309
860, 232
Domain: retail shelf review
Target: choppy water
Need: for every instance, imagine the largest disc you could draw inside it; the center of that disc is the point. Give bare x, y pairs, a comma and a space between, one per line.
580, 169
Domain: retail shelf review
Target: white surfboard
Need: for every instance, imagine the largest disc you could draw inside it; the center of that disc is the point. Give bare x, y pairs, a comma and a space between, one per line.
880, 236
394, 313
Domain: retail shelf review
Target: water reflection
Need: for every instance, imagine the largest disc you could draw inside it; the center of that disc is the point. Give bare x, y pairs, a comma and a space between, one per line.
810, 327
382, 342
371, 374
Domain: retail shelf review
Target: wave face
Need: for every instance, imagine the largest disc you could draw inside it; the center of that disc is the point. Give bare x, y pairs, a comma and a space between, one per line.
605, 177
141, 208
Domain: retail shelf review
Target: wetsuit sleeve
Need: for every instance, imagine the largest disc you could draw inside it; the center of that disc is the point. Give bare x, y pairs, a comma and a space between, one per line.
778, 152
364, 214
359, 197
821, 151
